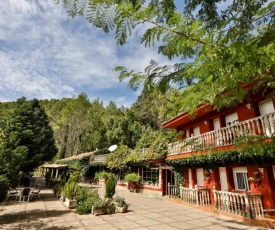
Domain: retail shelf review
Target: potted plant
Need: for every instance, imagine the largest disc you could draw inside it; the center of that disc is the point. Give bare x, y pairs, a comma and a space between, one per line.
103, 176
70, 190
133, 180
103, 206
121, 205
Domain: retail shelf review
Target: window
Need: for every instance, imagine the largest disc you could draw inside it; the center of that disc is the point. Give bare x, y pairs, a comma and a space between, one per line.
231, 119
196, 131
200, 177
150, 175
266, 107
241, 179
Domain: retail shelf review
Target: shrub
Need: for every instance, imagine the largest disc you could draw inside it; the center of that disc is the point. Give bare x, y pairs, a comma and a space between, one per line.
103, 175
120, 202
4, 187
110, 188
71, 188
58, 187
132, 177
85, 199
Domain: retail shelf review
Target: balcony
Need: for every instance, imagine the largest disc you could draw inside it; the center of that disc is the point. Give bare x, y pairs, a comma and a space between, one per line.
259, 126
241, 204
99, 158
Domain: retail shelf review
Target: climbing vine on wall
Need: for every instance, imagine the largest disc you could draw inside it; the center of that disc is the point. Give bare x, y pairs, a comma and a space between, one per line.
257, 153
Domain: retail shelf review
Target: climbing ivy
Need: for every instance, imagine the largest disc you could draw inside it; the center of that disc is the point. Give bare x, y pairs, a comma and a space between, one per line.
255, 153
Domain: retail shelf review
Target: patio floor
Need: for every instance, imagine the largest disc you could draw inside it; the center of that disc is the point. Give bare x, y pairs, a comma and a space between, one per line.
145, 212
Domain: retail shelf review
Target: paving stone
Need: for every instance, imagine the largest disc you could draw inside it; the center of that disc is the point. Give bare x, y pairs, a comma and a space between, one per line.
143, 214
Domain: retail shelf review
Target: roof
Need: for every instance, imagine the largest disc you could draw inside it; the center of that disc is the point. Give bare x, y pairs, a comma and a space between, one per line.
79, 156
185, 117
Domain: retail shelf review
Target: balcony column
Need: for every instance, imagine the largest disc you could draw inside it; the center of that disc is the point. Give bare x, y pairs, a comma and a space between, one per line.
247, 205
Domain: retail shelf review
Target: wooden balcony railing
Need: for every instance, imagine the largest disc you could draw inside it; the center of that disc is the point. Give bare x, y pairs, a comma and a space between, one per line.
242, 204
195, 196
259, 126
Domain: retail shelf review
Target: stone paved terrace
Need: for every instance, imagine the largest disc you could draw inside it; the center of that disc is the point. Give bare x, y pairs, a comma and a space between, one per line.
144, 213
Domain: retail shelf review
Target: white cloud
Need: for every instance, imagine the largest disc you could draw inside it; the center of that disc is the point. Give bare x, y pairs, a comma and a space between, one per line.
46, 54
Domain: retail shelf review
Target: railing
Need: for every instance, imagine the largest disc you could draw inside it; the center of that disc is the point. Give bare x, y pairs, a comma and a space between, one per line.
100, 158
259, 126
142, 151
195, 196
242, 204
171, 190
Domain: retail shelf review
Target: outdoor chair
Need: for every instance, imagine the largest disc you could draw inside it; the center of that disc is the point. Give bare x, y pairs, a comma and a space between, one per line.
36, 192
25, 195
12, 193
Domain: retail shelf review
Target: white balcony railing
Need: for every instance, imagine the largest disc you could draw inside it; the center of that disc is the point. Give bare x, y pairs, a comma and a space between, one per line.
100, 158
242, 204
259, 126
171, 190
195, 196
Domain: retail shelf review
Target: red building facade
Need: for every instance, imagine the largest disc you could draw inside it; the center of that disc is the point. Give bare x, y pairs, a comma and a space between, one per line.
233, 187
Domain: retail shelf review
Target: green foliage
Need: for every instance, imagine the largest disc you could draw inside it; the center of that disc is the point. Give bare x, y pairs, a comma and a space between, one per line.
27, 139
209, 45
75, 171
104, 175
179, 180
118, 158
58, 187
123, 130
71, 188
132, 177
158, 149
256, 153
85, 199
120, 202
4, 187
110, 188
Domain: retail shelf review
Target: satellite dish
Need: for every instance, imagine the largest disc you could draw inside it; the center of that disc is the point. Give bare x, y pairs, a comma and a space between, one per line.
112, 148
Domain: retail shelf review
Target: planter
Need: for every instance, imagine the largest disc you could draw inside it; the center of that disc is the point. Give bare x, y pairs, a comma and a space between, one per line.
62, 197
121, 209
99, 210
133, 186
207, 180
70, 203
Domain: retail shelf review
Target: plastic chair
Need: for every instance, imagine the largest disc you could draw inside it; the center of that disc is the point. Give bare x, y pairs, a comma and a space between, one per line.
25, 195
12, 193
36, 192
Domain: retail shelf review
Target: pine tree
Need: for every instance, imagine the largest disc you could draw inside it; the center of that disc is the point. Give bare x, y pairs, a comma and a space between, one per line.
27, 139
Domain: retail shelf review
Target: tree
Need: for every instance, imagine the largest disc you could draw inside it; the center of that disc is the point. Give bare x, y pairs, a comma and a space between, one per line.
123, 130
221, 46
27, 139
75, 125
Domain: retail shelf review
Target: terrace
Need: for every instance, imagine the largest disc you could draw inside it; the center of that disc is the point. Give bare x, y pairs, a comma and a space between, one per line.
262, 126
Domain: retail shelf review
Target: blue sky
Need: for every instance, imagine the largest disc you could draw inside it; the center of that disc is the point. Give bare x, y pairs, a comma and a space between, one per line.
46, 54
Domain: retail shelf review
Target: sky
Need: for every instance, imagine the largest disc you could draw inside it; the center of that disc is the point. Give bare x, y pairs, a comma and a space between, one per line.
46, 54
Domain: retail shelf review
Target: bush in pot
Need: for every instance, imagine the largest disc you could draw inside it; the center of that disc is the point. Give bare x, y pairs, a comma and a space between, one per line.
85, 199
70, 190
110, 188
121, 205
133, 180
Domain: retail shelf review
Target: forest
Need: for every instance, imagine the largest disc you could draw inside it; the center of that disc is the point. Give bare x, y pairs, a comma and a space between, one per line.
36, 131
